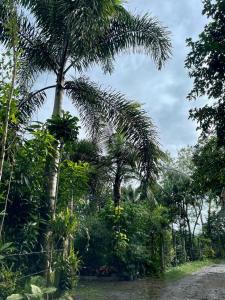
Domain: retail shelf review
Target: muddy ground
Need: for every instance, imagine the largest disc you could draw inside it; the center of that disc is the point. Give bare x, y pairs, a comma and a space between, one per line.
207, 284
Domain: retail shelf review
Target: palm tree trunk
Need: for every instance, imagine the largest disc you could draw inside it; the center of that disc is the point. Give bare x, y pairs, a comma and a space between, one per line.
53, 181
54, 166
117, 190
117, 185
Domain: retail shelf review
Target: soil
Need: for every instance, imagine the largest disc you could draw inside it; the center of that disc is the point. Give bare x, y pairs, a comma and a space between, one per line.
206, 284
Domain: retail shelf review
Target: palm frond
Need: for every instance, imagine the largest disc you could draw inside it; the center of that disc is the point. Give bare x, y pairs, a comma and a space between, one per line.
29, 104
90, 110
140, 34
39, 53
94, 32
48, 13
99, 108
124, 32
59, 16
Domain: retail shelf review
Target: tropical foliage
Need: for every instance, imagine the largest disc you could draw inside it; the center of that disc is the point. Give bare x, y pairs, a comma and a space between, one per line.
112, 203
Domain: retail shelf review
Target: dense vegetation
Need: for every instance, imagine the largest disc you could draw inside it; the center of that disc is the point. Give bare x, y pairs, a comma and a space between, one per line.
111, 203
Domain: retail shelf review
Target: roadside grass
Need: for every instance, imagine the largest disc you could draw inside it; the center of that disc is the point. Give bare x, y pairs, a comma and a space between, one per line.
175, 273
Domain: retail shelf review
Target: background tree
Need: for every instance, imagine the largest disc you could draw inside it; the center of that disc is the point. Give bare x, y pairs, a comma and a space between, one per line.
205, 63
209, 166
178, 192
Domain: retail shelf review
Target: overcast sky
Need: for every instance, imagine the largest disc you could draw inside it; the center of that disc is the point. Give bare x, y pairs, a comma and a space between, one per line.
162, 92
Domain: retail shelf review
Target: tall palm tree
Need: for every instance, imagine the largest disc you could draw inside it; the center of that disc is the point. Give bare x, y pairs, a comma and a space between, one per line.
65, 34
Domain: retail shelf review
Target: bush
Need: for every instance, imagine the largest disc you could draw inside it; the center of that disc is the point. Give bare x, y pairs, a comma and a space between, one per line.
8, 281
125, 241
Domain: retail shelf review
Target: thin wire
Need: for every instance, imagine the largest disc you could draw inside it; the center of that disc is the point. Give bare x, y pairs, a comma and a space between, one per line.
29, 275
32, 274
30, 253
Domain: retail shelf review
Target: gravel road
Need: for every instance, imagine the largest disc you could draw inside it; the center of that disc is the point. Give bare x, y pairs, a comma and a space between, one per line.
206, 284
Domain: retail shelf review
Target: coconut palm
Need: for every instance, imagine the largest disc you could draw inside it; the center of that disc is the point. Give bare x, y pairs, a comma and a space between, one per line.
74, 34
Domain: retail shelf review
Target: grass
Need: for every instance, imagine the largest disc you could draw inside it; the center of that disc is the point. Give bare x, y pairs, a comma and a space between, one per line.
186, 269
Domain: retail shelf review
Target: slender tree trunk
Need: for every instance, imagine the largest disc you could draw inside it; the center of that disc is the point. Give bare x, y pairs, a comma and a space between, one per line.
174, 244
54, 166
117, 186
53, 180
182, 231
162, 252
71, 207
190, 239
189, 234
6, 203
198, 215
66, 246
58, 176
68, 239
209, 218
183, 243
8, 108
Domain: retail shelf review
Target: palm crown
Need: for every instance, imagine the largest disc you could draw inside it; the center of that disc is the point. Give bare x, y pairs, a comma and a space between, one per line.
64, 34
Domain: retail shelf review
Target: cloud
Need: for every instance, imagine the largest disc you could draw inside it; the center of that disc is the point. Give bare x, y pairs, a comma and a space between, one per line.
162, 92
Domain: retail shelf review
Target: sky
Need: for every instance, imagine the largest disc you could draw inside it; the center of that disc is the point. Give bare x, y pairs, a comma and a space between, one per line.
162, 93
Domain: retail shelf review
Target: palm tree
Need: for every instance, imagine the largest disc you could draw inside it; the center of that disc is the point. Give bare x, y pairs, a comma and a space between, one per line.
76, 34
130, 194
123, 159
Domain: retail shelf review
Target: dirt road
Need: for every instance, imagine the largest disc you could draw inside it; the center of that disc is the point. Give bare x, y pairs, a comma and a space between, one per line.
207, 284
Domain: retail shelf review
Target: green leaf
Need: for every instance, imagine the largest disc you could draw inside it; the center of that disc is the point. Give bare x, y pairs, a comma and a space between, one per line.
35, 289
15, 297
5, 246
49, 290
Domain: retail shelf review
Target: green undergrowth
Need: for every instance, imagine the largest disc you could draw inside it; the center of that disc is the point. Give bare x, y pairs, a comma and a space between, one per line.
175, 273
